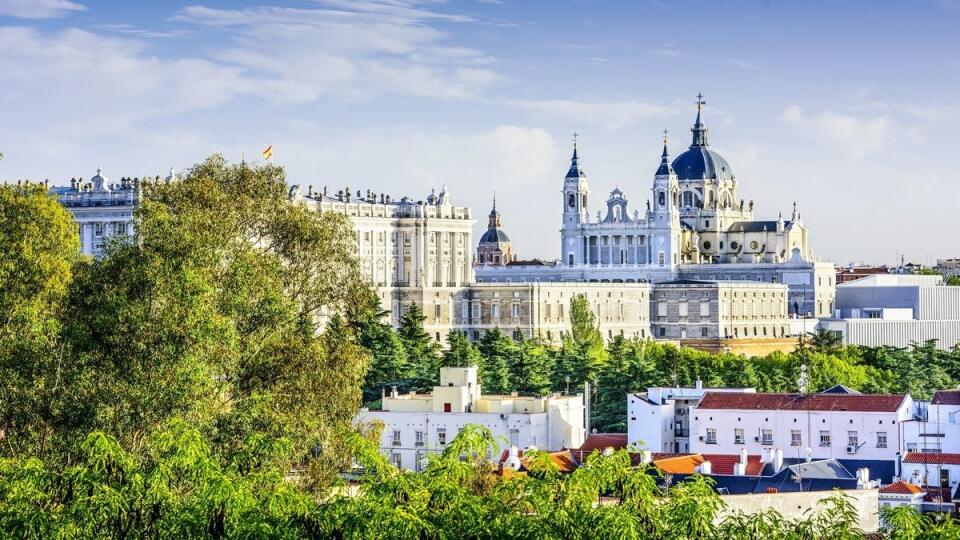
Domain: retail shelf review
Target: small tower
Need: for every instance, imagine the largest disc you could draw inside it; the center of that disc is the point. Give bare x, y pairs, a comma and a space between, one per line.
663, 219
494, 247
575, 210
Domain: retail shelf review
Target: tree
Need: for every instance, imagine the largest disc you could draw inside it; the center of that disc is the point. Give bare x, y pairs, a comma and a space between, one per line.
582, 354
389, 365
220, 313
498, 352
531, 366
422, 351
39, 249
826, 341
626, 370
460, 352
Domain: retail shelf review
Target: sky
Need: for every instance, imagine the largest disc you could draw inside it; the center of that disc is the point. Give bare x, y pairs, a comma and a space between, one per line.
849, 109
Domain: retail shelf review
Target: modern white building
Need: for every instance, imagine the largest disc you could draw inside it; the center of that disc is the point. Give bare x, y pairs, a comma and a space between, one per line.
659, 419
896, 310
414, 425
844, 426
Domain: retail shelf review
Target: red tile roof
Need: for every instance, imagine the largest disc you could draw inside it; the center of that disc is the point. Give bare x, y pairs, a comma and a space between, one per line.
562, 459
602, 441
723, 463
946, 397
686, 464
935, 459
901, 488
797, 402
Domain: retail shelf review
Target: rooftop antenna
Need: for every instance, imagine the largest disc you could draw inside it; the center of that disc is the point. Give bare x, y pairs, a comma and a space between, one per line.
803, 381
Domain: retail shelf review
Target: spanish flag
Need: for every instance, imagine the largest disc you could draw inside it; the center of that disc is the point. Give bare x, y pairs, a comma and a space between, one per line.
268, 153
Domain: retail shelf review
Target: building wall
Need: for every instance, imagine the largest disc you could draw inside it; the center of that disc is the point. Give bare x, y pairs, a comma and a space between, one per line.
878, 333
799, 505
719, 310
810, 424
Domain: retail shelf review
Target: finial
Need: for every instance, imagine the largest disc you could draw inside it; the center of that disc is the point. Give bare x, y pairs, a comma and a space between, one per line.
99, 170
494, 200
700, 102
575, 135
665, 133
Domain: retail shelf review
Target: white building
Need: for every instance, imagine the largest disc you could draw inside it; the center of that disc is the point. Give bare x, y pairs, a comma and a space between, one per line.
896, 310
101, 208
844, 426
659, 419
417, 424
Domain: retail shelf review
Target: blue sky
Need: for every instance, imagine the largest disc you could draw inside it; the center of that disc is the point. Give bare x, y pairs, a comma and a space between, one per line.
848, 108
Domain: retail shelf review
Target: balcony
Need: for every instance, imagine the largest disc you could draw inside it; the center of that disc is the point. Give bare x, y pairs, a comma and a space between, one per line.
681, 432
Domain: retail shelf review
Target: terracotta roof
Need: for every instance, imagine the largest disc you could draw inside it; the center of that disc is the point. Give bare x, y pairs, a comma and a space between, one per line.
686, 464
602, 441
798, 402
936, 459
901, 488
946, 397
563, 459
723, 464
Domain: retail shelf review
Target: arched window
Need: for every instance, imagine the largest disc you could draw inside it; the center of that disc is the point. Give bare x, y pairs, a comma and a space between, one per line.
583, 201
571, 200
662, 199
688, 198
616, 213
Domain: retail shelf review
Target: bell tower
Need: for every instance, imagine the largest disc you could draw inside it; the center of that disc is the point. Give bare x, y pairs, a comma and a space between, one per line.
663, 218
575, 210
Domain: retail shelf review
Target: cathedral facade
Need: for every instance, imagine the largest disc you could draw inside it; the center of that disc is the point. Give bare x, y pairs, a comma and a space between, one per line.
694, 226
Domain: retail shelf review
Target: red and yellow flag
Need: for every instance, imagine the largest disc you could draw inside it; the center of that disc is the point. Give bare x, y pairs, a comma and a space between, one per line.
268, 152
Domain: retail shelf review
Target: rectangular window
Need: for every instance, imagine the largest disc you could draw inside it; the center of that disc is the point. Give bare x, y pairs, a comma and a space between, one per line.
420, 439
683, 309
661, 309
395, 459
704, 309
516, 311
704, 332
514, 437
738, 436
495, 311
548, 311
766, 437
476, 311
711, 436
881, 439
465, 311
952, 417
436, 311
396, 437
98, 229
421, 461
853, 439
663, 331
441, 436
824, 438
795, 437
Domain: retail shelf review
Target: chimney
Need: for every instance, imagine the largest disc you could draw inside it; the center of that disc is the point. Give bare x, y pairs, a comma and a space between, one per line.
740, 469
699, 384
777, 460
743, 456
863, 478
896, 467
646, 457
393, 392
809, 454
513, 459
706, 468
766, 455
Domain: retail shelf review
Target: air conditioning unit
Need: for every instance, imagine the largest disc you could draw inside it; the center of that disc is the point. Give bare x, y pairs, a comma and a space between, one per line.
851, 449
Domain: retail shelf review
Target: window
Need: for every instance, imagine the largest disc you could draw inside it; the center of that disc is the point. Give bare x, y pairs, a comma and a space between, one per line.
705, 309
396, 437
683, 309
795, 437
738, 436
704, 332
98, 229
766, 437
824, 438
516, 311
853, 439
441, 436
395, 459
465, 311
571, 200
421, 461
711, 436
952, 418
436, 311
476, 311
420, 439
495, 311
660, 259
514, 437
663, 331
911, 447
881, 439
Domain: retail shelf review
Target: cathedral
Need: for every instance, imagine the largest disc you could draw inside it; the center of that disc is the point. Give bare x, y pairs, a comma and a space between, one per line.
694, 226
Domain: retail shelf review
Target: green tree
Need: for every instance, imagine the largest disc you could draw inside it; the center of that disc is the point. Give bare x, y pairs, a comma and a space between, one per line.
389, 365
531, 367
460, 351
219, 314
582, 353
38, 251
422, 350
498, 352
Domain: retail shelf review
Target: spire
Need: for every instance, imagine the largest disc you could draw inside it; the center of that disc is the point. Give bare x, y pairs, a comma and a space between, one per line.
494, 222
699, 130
575, 171
665, 167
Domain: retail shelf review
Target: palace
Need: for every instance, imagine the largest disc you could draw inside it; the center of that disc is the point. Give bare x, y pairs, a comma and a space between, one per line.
694, 227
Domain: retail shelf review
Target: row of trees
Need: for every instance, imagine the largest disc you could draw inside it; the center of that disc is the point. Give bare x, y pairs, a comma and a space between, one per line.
409, 359
178, 488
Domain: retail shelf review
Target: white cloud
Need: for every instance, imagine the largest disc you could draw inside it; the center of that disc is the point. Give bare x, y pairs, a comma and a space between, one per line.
855, 136
39, 9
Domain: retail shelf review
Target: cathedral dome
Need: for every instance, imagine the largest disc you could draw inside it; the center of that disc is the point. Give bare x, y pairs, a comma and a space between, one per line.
494, 236
701, 162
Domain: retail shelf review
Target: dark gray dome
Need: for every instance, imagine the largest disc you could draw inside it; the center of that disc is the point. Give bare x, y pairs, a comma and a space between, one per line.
699, 162
494, 236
